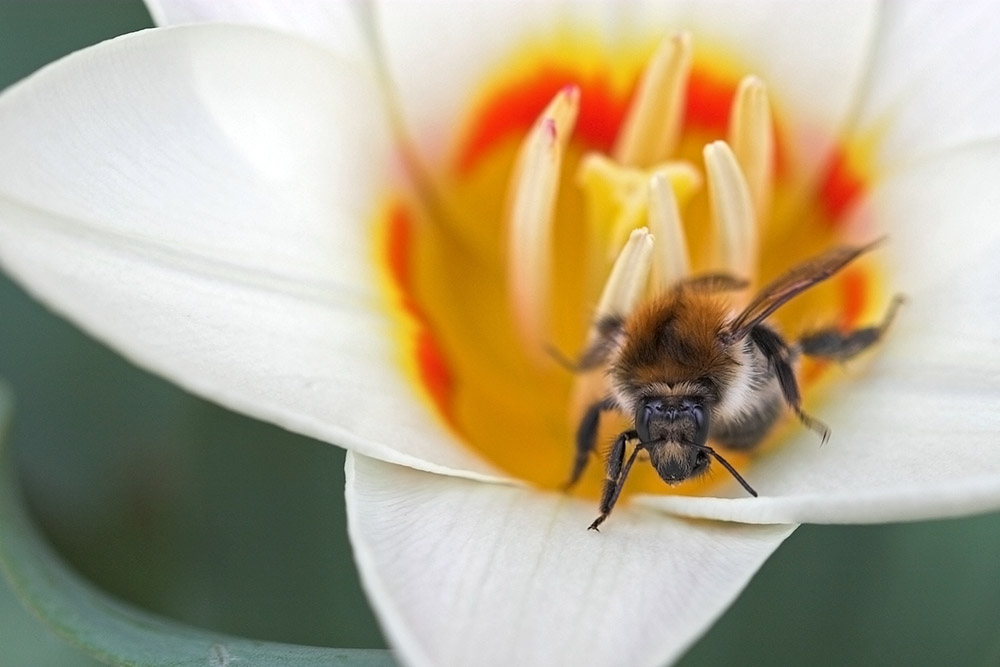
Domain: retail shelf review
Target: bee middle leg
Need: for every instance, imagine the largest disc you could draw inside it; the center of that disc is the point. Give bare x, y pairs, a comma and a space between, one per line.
780, 357
616, 475
830, 343
586, 438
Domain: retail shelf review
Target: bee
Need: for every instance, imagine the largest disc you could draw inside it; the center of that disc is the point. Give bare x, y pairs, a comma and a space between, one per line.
685, 369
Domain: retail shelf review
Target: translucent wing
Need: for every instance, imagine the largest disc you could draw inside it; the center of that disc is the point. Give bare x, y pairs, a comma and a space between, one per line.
796, 281
715, 282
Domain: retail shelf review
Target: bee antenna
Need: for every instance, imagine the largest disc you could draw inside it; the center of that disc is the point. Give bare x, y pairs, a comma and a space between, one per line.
727, 466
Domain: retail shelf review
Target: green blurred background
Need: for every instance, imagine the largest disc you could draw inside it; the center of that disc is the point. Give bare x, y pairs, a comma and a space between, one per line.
225, 523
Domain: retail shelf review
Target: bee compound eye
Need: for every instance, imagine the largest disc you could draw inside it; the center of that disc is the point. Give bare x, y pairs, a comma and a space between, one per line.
649, 409
700, 416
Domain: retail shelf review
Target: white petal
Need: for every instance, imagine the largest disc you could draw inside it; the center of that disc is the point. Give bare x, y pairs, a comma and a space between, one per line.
336, 24
914, 433
438, 55
933, 84
812, 55
199, 197
467, 573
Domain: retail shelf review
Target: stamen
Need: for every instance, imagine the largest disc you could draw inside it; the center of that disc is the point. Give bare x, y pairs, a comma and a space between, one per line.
652, 124
751, 134
625, 286
732, 210
671, 263
629, 277
531, 196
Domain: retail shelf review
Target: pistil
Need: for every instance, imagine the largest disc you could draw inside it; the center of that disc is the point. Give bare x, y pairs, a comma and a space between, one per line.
617, 196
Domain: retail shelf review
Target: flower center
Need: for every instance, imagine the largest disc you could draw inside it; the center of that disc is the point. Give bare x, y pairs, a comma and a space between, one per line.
533, 236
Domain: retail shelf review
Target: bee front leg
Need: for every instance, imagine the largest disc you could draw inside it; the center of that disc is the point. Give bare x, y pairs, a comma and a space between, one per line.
832, 344
616, 475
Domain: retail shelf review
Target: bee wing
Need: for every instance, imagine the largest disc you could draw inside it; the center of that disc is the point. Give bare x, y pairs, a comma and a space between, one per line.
792, 283
715, 282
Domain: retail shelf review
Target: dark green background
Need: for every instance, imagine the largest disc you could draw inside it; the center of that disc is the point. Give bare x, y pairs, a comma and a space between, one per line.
233, 525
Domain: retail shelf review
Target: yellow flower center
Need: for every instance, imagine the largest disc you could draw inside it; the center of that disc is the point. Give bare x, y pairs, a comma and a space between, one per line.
565, 152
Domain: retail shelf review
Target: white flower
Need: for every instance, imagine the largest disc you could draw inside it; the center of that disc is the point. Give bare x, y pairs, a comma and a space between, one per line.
210, 200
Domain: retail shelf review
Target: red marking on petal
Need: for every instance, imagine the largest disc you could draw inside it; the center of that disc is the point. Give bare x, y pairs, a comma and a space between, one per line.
709, 99
855, 285
398, 242
855, 288
812, 370
432, 366
840, 187
513, 109
435, 372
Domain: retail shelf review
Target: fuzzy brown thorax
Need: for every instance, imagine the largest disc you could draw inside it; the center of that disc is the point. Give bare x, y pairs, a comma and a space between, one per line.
671, 346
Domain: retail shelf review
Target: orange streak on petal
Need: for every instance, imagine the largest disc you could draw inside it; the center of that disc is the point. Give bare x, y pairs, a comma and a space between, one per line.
812, 370
709, 98
510, 111
398, 241
855, 286
840, 186
435, 373
855, 292
433, 370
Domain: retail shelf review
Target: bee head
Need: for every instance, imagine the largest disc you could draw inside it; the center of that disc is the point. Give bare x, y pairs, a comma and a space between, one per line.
673, 430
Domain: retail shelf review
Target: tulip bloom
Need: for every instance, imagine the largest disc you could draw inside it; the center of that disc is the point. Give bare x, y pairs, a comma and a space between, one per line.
366, 223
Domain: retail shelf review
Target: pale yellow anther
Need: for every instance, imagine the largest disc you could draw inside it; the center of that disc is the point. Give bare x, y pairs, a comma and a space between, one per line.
751, 134
629, 276
531, 198
732, 210
671, 263
652, 125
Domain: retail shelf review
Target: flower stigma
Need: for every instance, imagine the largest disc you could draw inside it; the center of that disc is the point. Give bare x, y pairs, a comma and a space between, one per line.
581, 183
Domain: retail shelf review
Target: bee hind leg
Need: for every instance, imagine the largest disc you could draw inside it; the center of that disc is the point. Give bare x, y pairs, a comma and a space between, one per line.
835, 345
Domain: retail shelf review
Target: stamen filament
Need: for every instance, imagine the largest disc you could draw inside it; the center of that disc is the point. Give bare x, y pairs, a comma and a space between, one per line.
671, 263
532, 194
751, 134
732, 210
652, 125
